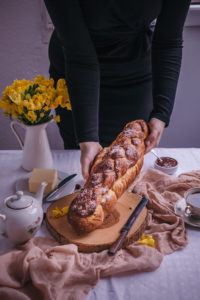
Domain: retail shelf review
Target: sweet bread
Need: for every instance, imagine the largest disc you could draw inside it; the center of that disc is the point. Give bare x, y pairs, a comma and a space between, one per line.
112, 172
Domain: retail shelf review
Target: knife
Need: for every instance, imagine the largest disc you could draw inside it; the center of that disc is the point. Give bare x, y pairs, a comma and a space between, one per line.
59, 186
125, 229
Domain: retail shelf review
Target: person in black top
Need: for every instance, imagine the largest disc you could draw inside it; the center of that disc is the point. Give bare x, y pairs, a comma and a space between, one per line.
117, 67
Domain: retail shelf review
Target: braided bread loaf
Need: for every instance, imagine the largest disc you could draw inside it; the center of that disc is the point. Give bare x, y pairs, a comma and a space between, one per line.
113, 170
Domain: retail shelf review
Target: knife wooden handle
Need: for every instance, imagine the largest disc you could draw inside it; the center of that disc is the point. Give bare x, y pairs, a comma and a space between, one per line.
117, 245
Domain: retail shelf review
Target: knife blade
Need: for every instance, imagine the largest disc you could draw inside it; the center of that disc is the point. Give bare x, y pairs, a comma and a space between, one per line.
59, 186
127, 226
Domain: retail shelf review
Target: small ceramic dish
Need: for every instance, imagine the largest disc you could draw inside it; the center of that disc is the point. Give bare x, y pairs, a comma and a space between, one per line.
168, 165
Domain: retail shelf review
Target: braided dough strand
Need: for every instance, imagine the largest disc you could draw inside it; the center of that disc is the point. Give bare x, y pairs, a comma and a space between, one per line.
113, 171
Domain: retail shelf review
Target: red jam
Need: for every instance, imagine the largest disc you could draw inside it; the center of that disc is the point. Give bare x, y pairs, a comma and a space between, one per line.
166, 162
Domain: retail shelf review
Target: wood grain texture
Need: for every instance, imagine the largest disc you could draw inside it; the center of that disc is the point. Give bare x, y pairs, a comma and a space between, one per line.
103, 237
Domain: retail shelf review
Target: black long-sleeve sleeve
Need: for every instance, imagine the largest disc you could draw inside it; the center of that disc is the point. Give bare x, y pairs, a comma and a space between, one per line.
167, 56
81, 66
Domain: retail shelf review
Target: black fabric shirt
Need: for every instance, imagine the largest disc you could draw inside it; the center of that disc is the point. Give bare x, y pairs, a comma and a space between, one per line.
104, 43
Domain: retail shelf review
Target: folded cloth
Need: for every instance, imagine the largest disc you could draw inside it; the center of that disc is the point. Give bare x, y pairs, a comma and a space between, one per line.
163, 191
43, 269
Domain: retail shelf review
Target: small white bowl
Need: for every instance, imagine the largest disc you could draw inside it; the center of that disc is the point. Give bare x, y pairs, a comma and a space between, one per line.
169, 165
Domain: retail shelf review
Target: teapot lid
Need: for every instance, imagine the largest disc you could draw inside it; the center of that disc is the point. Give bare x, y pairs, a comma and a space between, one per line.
19, 201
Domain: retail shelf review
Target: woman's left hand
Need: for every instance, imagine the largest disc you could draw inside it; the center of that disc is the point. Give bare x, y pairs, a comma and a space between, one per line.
156, 128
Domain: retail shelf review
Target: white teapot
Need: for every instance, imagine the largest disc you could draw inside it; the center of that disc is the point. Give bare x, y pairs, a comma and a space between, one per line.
22, 215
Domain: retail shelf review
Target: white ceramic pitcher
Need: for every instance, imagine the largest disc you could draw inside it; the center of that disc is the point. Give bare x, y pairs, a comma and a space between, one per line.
36, 150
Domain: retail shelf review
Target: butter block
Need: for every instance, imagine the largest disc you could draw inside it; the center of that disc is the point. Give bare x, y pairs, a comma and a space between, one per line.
40, 175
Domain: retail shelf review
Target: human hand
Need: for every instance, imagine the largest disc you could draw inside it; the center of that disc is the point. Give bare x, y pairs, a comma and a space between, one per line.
156, 128
88, 152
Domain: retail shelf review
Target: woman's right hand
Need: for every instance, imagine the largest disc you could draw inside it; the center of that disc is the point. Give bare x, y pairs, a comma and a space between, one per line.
88, 152
156, 128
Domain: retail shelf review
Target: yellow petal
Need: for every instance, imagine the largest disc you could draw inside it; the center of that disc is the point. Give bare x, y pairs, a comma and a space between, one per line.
151, 243
56, 213
147, 240
57, 118
65, 210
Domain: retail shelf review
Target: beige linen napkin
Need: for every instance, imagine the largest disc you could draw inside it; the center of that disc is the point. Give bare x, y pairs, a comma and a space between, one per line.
43, 269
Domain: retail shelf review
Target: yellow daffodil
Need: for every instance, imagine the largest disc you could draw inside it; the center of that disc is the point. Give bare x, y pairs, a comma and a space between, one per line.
32, 115
46, 108
68, 106
32, 101
20, 109
147, 240
56, 213
57, 118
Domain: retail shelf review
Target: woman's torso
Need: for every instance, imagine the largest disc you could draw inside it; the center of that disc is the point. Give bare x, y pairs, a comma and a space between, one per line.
121, 33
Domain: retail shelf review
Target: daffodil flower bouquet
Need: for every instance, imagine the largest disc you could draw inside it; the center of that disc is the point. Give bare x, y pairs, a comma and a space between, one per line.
32, 102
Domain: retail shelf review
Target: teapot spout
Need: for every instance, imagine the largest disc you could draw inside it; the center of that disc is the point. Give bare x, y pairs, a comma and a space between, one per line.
40, 192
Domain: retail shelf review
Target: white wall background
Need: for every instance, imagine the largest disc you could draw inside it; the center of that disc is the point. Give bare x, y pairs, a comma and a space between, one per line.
184, 127
23, 54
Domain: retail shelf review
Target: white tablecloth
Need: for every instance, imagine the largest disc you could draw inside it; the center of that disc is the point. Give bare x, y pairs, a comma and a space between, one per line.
178, 277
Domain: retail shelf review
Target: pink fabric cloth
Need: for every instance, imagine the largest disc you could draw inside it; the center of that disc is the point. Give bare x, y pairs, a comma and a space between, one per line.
43, 269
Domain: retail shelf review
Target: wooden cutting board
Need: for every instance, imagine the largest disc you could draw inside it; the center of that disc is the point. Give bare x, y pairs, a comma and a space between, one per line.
101, 238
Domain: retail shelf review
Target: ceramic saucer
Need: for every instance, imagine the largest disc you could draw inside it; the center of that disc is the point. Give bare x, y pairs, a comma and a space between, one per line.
179, 209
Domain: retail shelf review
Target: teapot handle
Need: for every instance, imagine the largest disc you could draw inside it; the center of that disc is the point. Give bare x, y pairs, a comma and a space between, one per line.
12, 126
